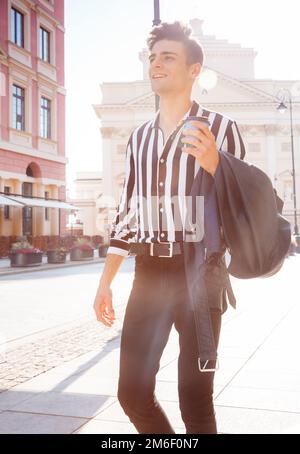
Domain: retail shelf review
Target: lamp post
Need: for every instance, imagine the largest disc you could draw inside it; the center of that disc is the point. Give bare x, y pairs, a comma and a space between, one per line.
287, 97
156, 21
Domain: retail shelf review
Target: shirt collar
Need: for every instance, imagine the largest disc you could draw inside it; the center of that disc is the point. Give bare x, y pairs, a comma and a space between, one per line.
191, 112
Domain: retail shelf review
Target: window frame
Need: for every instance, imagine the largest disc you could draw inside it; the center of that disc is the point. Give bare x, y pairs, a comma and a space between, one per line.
45, 52
45, 110
47, 218
15, 98
6, 207
14, 29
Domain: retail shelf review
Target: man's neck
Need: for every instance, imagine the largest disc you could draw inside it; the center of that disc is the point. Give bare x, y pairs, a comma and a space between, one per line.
171, 111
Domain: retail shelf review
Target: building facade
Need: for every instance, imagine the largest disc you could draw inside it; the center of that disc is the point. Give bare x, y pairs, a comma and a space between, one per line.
227, 85
32, 118
90, 217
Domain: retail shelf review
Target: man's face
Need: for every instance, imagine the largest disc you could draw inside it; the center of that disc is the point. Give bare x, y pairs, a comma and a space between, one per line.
168, 69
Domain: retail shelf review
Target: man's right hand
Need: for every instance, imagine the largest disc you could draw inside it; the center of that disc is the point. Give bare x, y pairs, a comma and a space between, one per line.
103, 300
103, 306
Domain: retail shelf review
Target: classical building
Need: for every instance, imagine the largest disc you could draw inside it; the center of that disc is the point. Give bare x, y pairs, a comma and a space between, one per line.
32, 118
90, 217
227, 85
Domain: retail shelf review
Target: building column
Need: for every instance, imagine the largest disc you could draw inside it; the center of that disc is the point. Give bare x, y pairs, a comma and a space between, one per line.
39, 212
18, 212
297, 163
54, 217
107, 136
271, 152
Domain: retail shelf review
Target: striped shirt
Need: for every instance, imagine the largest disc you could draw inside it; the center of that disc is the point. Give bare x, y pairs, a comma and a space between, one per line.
158, 173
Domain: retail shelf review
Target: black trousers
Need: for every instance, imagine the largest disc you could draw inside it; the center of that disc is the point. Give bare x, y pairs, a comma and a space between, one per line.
158, 300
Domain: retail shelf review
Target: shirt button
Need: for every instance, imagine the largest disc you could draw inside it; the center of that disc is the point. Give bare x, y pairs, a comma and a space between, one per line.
162, 235
161, 183
162, 161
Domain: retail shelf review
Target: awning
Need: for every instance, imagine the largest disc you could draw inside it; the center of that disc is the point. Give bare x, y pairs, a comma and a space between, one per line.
32, 202
6, 201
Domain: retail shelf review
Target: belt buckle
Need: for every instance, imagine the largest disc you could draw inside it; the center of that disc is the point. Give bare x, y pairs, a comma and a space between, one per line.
204, 369
171, 250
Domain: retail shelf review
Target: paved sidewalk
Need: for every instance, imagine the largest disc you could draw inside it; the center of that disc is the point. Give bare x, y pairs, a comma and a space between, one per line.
257, 389
6, 269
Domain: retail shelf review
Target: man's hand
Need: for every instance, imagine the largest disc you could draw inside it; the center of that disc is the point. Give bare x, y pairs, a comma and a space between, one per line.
204, 146
103, 306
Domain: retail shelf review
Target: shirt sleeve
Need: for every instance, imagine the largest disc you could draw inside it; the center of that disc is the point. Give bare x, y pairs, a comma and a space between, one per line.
233, 142
124, 222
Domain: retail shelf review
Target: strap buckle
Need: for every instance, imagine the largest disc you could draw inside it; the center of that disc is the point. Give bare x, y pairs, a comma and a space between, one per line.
205, 368
170, 251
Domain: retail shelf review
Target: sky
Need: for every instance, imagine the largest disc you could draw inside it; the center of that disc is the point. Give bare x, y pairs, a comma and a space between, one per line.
103, 39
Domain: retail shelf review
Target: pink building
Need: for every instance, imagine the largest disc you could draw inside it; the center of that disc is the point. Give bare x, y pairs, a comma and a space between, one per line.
32, 118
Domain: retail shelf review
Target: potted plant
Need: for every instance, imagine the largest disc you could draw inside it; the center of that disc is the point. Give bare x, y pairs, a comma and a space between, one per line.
22, 253
57, 254
81, 250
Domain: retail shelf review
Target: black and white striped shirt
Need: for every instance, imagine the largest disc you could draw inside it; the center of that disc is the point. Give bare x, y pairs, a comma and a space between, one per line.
158, 173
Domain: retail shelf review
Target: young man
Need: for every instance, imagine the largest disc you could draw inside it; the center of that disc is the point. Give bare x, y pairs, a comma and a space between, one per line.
156, 169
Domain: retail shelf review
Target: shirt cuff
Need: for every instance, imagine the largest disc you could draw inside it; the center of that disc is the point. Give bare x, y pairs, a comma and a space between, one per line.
118, 251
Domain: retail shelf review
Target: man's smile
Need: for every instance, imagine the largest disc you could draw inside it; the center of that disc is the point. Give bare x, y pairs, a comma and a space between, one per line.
158, 76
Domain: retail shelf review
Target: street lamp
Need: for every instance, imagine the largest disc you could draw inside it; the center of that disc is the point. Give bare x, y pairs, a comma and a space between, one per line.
156, 21
286, 96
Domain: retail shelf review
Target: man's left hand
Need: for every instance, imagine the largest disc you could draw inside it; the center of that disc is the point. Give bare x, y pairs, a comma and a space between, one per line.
203, 148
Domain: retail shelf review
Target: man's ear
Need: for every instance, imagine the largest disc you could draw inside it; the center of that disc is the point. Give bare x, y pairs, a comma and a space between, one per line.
195, 70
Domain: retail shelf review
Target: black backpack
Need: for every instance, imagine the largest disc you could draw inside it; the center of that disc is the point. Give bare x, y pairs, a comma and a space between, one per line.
257, 236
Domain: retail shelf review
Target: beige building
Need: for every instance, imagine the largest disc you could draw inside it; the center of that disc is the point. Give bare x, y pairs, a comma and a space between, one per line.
90, 216
227, 85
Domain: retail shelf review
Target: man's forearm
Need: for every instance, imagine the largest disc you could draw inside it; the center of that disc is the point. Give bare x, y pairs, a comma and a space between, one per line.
111, 267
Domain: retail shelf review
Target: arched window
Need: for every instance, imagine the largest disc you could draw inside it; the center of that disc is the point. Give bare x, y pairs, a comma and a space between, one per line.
33, 170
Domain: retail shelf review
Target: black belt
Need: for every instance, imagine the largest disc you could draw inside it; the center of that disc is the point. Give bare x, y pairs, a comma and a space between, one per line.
156, 249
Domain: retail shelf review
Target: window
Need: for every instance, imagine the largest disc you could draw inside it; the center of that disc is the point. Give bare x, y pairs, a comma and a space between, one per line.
27, 189
6, 207
46, 209
18, 108
17, 27
44, 45
45, 118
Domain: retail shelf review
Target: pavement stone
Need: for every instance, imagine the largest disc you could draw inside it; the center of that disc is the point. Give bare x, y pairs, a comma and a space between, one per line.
235, 420
34, 358
25, 423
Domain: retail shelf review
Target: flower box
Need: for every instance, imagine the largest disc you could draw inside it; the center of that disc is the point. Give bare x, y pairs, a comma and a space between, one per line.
25, 258
81, 253
82, 250
56, 256
22, 253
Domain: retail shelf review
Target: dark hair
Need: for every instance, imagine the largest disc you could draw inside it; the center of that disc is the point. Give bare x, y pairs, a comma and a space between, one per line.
177, 31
